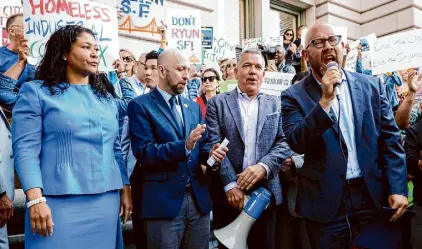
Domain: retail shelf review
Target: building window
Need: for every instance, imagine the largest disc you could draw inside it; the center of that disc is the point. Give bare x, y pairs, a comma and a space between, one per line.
246, 27
287, 16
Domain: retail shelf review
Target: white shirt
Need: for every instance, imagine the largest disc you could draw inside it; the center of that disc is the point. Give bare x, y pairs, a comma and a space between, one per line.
249, 112
347, 128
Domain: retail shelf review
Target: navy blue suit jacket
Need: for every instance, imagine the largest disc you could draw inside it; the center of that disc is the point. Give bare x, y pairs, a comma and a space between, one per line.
160, 175
311, 131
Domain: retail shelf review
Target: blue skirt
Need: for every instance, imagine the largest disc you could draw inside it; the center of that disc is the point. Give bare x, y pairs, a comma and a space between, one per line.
81, 222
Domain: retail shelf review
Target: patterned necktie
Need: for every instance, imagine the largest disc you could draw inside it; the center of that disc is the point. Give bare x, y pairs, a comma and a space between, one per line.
173, 103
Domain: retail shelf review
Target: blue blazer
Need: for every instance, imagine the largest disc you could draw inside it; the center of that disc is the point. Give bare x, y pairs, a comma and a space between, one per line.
7, 172
311, 131
160, 176
67, 143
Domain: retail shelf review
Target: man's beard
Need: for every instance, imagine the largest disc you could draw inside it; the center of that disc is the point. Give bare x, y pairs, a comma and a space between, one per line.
174, 88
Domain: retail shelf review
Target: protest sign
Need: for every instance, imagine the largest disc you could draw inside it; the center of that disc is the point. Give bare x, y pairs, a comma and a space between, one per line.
184, 28
207, 37
141, 18
264, 41
7, 8
366, 44
227, 86
275, 83
398, 51
42, 18
221, 49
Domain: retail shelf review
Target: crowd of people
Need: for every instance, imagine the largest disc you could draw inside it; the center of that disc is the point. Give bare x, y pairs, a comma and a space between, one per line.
94, 149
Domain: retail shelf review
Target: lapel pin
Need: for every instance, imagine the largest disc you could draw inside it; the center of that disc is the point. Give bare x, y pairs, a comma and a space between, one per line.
186, 106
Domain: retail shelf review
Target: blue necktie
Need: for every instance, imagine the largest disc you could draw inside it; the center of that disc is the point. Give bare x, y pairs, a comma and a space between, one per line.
173, 103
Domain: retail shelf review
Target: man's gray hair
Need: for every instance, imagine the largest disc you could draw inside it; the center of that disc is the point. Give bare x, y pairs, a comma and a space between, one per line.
251, 51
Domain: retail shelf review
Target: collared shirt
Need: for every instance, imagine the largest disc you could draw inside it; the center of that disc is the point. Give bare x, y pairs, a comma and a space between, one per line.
347, 127
137, 86
249, 112
167, 98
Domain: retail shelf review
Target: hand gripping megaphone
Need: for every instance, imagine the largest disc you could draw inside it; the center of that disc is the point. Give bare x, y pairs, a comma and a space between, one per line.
235, 235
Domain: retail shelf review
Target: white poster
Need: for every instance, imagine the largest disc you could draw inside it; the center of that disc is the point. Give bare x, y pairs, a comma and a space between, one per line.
264, 41
275, 83
221, 49
8, 8
396, 52
44, 18
366, 43
184, 32
141, 18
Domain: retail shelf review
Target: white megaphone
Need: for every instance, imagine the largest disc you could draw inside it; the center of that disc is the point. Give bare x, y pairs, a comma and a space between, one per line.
235, 235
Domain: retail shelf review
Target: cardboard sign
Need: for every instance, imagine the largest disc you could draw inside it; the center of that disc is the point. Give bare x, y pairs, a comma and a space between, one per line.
7, 8
141, 18
396, 52
42, 18
264, 41
274, 83
184, 29
367, 44
221, 49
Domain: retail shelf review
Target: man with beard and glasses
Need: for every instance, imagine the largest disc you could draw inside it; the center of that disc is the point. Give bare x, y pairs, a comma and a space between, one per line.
354, 162
169, 188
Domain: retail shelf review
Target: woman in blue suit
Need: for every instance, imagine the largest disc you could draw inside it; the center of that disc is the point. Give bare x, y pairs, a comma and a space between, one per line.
67, 149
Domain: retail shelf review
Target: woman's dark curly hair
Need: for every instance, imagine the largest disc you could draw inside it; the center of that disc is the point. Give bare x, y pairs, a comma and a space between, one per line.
52, 68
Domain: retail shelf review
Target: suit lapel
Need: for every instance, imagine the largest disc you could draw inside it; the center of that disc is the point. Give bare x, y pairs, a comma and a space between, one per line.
234, 108
263, 111
315, 92
357, 103
3, 116
186, 110
159, 101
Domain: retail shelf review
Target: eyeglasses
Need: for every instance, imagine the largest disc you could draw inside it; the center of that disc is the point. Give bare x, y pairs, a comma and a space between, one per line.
127, 59
320, 42
231, 65
210, 79
289, 34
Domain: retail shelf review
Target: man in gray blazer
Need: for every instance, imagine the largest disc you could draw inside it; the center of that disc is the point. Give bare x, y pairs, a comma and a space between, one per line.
251, 121
6, 179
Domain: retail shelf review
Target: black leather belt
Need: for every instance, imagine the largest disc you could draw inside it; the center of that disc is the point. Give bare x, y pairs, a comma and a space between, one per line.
354, 181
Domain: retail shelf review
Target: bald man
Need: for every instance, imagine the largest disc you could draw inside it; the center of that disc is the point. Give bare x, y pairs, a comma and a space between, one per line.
169, 191
354, 162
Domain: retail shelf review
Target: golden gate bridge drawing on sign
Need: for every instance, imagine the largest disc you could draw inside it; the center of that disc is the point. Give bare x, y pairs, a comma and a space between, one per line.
129, 26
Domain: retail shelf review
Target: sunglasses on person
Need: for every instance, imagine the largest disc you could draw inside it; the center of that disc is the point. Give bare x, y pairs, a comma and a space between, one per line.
127, 59
289, 34
209, 78
231, 65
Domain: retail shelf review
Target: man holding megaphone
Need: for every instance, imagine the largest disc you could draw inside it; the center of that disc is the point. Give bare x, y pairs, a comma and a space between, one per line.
251, 121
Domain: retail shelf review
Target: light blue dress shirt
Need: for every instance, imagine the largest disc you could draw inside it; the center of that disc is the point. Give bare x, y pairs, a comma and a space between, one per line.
347, 127
167, 98
67, 143
136, 85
